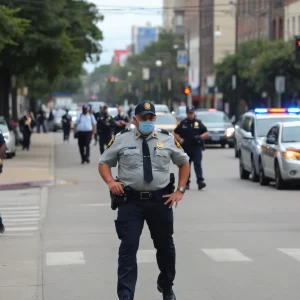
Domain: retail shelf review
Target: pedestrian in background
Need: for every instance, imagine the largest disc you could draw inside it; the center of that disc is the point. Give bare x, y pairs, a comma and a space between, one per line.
2, 154
66, 125
121, 121
105, 125
190, 133
143, 155
41, 118
27, 124
84, 128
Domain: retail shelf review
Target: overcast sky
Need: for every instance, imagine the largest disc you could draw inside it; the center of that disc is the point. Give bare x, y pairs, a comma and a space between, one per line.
119, 16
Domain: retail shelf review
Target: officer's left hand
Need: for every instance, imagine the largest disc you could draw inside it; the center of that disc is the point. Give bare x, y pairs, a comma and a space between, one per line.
173, 198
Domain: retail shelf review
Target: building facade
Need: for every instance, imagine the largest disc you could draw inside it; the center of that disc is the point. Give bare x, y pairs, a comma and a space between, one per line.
168, 12
260, 19
291, 19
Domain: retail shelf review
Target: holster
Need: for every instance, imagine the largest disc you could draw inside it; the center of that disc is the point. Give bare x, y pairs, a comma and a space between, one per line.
117, 200
171, 185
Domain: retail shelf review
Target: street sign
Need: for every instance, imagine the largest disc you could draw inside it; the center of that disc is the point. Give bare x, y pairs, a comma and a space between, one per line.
182, 58
280, 84
210, 81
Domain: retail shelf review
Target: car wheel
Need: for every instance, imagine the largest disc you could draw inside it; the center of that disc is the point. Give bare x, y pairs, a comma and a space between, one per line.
279, 183
254, 176
223, 145
231, 145
263, 180
9, 155
243, 173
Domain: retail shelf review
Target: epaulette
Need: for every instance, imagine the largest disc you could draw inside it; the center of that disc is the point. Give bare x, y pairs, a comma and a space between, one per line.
164, 131
123, 131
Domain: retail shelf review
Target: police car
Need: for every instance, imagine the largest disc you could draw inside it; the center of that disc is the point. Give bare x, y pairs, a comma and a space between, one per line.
280, 155
250, 133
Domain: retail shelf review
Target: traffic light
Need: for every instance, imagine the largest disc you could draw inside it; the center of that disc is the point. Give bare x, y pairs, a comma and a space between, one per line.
186, 90
297, 47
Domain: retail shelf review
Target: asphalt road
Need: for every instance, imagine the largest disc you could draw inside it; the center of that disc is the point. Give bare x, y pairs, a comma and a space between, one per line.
235, 239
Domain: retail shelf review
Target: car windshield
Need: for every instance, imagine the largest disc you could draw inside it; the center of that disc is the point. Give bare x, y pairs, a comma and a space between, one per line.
165, 120
264, 125
291, 134
3, 127
59, 113
113, 111
212, 117
161, 108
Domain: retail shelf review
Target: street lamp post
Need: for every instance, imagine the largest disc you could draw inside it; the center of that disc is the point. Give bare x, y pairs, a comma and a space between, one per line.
158, 64
129, 74
181, 30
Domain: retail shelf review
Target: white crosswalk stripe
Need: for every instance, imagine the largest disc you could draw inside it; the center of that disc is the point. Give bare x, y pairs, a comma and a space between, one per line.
20, 218
226, 255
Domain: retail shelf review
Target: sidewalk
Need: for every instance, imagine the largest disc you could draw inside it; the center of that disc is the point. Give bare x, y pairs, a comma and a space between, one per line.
30, 168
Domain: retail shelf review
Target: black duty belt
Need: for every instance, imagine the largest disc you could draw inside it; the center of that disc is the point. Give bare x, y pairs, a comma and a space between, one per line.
149, 195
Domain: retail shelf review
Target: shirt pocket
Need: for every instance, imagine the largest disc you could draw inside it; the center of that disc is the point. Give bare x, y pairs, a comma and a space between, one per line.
161, 159
131, 158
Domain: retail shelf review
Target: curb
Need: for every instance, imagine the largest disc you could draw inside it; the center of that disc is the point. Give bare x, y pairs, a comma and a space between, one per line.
26, 184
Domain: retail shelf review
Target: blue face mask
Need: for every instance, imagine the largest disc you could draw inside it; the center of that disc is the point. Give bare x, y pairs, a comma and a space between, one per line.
146, 127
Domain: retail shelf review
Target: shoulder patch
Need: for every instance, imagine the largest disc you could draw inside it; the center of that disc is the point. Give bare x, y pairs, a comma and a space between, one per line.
123, 131
110, 142
164, 131
177, 144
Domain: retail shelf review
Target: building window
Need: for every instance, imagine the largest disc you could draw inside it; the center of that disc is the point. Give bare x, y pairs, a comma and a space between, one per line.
294, 26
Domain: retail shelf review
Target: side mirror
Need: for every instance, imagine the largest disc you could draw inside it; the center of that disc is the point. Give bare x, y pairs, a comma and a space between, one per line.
271, 141
248, 136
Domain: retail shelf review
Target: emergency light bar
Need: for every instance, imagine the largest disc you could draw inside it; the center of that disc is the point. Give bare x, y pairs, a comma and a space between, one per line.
291, 110
212, 109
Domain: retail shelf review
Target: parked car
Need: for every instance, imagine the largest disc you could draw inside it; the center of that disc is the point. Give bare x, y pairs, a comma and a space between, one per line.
9, 137
57, 119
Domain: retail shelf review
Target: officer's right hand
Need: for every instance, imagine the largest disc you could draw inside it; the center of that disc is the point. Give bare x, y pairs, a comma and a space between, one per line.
116, 188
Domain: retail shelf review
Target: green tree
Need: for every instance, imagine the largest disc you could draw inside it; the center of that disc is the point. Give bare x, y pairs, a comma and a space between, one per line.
63, 34
11, 26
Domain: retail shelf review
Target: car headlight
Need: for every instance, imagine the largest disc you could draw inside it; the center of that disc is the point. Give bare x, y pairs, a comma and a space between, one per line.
229, 132
258, 147
291, 155
132, 126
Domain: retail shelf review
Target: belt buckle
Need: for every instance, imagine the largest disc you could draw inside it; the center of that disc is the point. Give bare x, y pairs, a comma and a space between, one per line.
145, 195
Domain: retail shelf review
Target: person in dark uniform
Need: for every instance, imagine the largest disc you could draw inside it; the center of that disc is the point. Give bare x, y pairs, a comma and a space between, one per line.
84, 128
66, 124
190, 133
2, 154
27, 125
121, 121
143, 155
41, 118
105, 124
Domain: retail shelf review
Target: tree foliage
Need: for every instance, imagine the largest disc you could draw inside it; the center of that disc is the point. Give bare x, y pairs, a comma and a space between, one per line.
258, 63
61, 35
162, 50
11, 26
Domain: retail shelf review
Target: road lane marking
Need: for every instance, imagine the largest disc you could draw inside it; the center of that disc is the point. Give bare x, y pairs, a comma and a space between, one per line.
9, 223
292, 252
29, 228
26, 208
21, 220
223, 255
146, 256
94, 204
20, 215
64, 258
17, 234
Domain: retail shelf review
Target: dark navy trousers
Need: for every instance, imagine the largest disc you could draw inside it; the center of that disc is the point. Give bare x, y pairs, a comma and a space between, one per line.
195, 156
129, 226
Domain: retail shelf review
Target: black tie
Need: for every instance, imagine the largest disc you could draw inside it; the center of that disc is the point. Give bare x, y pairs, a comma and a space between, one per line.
148, 176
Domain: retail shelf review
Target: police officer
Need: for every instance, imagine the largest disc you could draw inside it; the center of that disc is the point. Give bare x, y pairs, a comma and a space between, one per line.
190, 133
84, 128
2, 154
66, 124
105, 124
121, 121
144, 156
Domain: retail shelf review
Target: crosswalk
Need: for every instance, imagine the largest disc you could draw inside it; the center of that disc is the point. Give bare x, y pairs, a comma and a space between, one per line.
20, 213
222, 255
